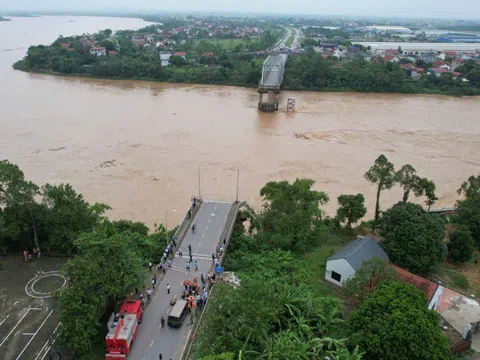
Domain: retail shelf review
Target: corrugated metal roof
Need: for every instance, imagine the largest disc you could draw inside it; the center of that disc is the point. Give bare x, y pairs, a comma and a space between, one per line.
360, 250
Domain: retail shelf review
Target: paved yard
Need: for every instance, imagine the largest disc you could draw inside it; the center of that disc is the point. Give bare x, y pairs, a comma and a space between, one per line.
27, 311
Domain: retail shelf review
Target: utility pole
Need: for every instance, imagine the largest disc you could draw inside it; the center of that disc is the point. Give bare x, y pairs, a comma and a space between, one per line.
238, 176
35, 237
166, 225
199, 188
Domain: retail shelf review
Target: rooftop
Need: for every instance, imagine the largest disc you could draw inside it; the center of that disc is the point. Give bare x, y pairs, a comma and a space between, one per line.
360, 250
426, 286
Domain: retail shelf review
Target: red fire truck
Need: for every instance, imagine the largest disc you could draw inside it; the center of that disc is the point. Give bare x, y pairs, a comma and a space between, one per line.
122, 329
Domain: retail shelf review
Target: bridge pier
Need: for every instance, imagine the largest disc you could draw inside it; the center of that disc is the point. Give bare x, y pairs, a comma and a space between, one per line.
268, 100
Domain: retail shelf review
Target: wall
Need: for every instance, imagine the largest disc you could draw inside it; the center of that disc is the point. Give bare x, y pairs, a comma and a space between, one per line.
340, 266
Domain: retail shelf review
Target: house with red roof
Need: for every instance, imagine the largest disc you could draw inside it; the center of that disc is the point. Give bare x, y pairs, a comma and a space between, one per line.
98, 50
408, 66
437, 71
391, 58
65, 45
180, 53
428, 287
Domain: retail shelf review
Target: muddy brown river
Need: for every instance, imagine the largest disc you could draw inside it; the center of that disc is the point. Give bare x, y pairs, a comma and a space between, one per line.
137, 145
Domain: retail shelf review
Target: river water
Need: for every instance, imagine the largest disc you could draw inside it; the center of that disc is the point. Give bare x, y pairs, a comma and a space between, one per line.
137, 145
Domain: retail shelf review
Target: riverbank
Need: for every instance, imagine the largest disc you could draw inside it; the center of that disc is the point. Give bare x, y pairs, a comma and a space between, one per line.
179, 77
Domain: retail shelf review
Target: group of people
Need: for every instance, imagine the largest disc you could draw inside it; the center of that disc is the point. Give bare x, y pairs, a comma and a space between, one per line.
193, 294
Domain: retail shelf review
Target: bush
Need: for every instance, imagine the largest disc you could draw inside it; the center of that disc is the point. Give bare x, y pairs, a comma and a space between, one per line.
461, 246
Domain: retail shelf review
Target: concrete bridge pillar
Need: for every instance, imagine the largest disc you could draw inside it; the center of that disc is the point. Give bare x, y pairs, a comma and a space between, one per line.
268, 101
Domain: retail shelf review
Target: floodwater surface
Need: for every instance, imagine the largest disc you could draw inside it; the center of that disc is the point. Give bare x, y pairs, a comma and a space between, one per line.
137, 146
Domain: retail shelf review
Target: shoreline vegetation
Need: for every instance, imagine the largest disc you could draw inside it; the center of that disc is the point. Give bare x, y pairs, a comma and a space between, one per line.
232, 62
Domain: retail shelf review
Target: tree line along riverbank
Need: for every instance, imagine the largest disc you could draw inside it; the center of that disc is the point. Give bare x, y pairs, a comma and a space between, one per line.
205, 63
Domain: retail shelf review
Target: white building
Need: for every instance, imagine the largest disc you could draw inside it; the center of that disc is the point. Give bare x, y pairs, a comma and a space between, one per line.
345, 262
98, 50
165, 57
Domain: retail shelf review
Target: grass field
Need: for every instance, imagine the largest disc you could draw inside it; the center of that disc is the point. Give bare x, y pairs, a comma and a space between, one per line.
226, 44
290, 41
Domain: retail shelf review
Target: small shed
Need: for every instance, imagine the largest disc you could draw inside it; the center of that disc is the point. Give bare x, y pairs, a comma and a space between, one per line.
346, 261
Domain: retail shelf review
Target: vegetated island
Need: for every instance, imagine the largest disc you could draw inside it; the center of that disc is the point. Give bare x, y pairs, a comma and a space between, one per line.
168, 53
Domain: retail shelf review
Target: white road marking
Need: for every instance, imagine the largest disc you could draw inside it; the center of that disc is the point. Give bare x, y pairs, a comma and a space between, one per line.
38, 309
46, 343
4, 319
35, 334
16, 333
152, 343
15, 303
10, 333
28, 334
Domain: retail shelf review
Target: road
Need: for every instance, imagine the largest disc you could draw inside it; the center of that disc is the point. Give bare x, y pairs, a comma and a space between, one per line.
151, 338
281, 44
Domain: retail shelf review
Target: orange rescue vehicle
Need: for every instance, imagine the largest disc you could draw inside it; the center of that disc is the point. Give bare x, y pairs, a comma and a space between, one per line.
122, 329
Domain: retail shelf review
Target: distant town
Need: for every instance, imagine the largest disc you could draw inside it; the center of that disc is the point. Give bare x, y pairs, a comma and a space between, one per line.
443, 56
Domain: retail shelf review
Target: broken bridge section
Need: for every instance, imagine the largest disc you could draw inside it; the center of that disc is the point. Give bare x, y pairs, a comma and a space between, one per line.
269, 86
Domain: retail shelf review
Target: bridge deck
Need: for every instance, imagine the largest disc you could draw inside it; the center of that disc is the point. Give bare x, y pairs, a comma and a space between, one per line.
272, 74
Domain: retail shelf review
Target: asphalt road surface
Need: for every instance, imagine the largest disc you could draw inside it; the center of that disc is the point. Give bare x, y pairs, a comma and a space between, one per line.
152, 339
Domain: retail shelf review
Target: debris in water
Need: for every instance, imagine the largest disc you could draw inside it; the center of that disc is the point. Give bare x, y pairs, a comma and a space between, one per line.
58, 149
108, 163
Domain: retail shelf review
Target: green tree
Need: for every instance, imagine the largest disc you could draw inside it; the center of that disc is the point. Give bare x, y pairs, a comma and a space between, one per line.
413, 238
460, 246
471, 187
290, 216
370, 275
429, 187
352, 208
474, 77
14, 189
394, 323
177, 61
68, 216
406, 177
105, 270
381, 173
468, 209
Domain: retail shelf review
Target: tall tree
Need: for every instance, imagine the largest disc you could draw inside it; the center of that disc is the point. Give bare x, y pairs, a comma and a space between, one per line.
413, 238
352, 208
429, 187
468, 209
409, 181
382, 173
393, 323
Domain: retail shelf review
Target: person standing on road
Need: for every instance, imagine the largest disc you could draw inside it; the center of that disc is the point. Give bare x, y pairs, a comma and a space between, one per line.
160, 357
196, 265
153, 283
191, 259
180, 253
168, 288
189, 248
202, 277
193, 228
213, 257
149, 292
150, 266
